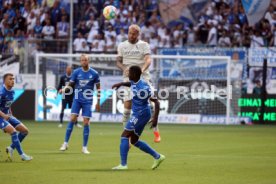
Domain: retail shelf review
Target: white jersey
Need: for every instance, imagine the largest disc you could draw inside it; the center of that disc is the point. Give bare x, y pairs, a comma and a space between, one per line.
133, 54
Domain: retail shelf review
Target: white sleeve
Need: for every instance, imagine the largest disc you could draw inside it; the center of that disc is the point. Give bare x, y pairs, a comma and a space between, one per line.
146, 49
120, 54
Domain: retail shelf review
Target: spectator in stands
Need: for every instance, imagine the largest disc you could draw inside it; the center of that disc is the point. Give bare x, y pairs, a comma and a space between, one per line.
78, 42
92, 23
62, 34
109, 33
121, 37
81, 27
20, 22
48, 31
98, 44
153, 41
178, 35
38, 29
212, 35
84, 48
224, 40
147, 29
31, 21
257, 40
111, 44
55, 12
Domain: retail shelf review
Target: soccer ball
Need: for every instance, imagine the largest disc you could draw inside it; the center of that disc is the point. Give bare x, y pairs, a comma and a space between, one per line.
109, 12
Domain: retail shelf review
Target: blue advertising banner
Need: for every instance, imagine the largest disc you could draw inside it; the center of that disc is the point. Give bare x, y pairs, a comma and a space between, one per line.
187, 69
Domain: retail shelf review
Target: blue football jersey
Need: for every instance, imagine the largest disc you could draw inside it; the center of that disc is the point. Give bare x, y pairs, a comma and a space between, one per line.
84, 84
6, 99
141, 92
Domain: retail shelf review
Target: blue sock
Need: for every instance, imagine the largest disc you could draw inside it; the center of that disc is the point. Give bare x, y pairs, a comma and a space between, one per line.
16, 143
21, 136
124, 147
69, 130
147, 149
86, 131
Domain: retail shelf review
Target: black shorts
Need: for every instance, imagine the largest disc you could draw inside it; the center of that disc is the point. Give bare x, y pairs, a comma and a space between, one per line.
65, 102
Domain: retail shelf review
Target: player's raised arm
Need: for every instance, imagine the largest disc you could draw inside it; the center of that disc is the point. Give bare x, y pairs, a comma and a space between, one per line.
119, 63
119, 60
118, 85
154, 120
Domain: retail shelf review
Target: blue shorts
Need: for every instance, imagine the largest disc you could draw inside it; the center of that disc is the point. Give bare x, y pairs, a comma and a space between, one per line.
138, 121
86, 109
12, 121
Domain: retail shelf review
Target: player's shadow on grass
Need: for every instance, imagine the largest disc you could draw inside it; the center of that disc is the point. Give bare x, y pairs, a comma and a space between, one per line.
57, 153
99, 170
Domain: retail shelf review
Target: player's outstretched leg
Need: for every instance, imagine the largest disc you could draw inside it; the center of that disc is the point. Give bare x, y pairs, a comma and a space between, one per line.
68, 133
157, 137
124, 147
158, 158
86, 132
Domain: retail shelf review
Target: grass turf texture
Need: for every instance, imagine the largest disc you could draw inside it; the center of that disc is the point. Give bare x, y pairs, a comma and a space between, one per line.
196, 154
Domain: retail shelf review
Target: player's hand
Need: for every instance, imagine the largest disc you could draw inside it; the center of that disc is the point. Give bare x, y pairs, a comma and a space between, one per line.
153, 123
6, 117
126, 72
60, 91
98, 107
116, 86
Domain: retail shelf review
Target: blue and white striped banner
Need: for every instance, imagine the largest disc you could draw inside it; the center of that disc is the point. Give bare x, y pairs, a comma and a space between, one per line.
255, 10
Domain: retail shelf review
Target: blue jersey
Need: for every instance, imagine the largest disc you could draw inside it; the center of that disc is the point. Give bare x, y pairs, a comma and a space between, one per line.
84, 84
6, 99
141, 92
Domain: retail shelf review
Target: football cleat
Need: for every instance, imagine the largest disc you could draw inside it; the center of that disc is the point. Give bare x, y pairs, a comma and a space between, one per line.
120, 167
158, 161
64, 147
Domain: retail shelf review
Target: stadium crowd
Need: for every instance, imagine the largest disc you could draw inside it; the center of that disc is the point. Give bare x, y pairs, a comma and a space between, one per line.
223, 23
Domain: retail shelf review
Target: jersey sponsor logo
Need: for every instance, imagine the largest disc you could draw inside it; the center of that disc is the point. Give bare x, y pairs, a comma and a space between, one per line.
83, 83
8, 104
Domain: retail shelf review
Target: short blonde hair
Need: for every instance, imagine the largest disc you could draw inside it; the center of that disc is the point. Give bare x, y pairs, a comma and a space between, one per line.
84, 55
135, 27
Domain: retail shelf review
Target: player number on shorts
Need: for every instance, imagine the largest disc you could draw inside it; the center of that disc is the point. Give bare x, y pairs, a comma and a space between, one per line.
134, 120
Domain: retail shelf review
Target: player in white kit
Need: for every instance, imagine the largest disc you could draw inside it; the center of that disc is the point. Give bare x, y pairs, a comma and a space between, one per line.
134, 52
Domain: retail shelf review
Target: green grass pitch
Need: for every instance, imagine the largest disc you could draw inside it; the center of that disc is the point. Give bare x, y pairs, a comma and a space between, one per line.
196, 154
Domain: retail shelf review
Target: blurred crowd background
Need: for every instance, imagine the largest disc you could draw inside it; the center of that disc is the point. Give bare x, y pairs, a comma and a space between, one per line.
45, 25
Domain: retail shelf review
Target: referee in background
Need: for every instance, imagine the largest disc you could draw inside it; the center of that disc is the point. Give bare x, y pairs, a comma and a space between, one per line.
68, 100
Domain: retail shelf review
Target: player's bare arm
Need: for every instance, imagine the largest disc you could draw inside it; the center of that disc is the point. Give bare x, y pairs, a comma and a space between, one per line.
147, 63
154, 120
98, 86
118, 85
119, 63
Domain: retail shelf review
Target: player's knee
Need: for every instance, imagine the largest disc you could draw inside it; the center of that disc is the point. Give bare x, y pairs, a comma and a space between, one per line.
126, 113
126, 134
86, 122
74, 119
127, 104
